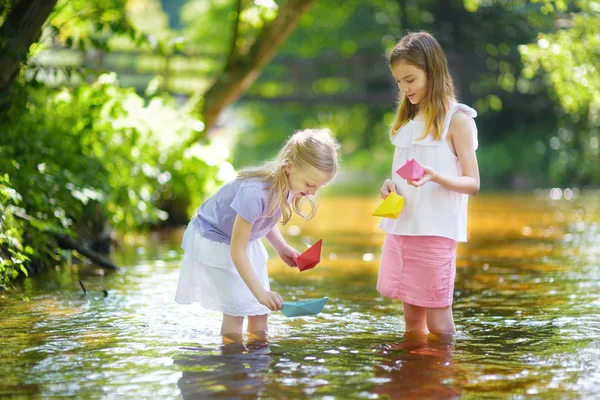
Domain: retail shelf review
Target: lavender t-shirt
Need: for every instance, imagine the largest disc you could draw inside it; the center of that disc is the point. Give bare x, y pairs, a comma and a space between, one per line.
246, 197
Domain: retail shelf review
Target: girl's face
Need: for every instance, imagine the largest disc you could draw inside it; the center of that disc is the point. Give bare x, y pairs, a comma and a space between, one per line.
306, 180
412, 81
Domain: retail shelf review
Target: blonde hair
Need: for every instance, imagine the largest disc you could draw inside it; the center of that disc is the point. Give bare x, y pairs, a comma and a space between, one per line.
423, 51
314, 147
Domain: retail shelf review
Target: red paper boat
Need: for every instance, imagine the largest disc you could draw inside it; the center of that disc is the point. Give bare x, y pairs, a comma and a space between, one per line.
310, 258
411, 170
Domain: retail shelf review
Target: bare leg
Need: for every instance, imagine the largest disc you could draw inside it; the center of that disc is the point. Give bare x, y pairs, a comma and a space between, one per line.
232, 326
258, 324
440, 320
415, 318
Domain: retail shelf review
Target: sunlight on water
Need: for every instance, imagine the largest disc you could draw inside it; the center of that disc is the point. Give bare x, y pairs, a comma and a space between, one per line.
527, 309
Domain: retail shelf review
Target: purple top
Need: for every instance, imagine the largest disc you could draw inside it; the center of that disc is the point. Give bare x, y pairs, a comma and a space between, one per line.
246, 197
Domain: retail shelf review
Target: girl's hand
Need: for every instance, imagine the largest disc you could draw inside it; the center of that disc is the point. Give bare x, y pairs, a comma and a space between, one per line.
430, 175
287, 254
271, 300
387, 188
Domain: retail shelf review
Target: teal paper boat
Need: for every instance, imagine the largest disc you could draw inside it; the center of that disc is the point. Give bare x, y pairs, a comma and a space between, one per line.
302, 308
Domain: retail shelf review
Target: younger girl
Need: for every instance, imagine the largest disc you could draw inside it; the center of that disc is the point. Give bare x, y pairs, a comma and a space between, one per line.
225, 264
418, 262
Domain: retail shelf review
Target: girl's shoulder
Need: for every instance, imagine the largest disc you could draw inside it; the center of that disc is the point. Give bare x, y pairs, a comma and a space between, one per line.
255, 188
233, 188
460, 124
460, 110
252, 183
459, 115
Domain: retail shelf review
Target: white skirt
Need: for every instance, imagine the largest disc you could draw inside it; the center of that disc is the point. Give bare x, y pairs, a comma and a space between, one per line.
208, 276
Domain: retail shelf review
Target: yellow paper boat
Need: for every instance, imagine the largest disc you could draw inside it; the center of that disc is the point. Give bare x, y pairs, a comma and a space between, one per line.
391, 206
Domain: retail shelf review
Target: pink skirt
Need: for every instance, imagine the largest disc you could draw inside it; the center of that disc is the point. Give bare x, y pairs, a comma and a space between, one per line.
418, 270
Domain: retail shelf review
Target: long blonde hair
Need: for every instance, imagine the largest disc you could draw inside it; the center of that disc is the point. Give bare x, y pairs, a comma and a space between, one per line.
423, 51
315, 147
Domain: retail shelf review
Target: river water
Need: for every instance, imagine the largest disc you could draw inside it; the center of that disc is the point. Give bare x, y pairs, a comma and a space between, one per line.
526, 305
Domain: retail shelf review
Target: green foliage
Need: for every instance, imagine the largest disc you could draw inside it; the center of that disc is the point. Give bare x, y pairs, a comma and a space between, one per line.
86, 159
90, 24
518, 161
362, 130
68, 144
568, 58
516, 115
82, 158
495, 69
210, 25
345, 28
92, 156
13, 254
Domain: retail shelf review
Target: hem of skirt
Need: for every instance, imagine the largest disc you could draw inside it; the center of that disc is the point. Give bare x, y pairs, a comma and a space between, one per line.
418, 303
458, 239
212, 307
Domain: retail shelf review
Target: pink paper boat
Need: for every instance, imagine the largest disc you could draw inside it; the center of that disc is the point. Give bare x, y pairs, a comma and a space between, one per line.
411, 170
310, 258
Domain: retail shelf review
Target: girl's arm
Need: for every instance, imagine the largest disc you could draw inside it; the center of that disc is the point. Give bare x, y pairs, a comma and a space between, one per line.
285, 251
274, 237
239, 244
463, 138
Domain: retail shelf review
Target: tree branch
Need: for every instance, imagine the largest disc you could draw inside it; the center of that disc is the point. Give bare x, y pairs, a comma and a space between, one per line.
236, 27
68, 243
242, 70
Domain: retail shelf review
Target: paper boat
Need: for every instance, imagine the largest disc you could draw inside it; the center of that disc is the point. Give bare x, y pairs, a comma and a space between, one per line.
411, 170
391, 206
310, 258
302, 308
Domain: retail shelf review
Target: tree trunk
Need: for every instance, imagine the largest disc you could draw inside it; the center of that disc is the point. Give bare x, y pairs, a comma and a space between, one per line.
242, 70
22, 27
404, 24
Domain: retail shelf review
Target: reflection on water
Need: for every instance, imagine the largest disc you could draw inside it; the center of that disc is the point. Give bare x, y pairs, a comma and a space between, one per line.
527, 311
235, 370
419, 367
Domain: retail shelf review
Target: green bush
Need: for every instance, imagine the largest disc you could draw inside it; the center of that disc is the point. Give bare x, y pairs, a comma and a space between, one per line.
13, 254
84, 159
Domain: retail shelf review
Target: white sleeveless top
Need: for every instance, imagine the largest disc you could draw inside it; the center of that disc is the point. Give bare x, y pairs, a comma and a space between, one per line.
431, 209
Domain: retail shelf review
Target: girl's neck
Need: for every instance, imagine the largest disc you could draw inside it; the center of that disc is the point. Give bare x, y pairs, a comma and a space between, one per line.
420, 114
